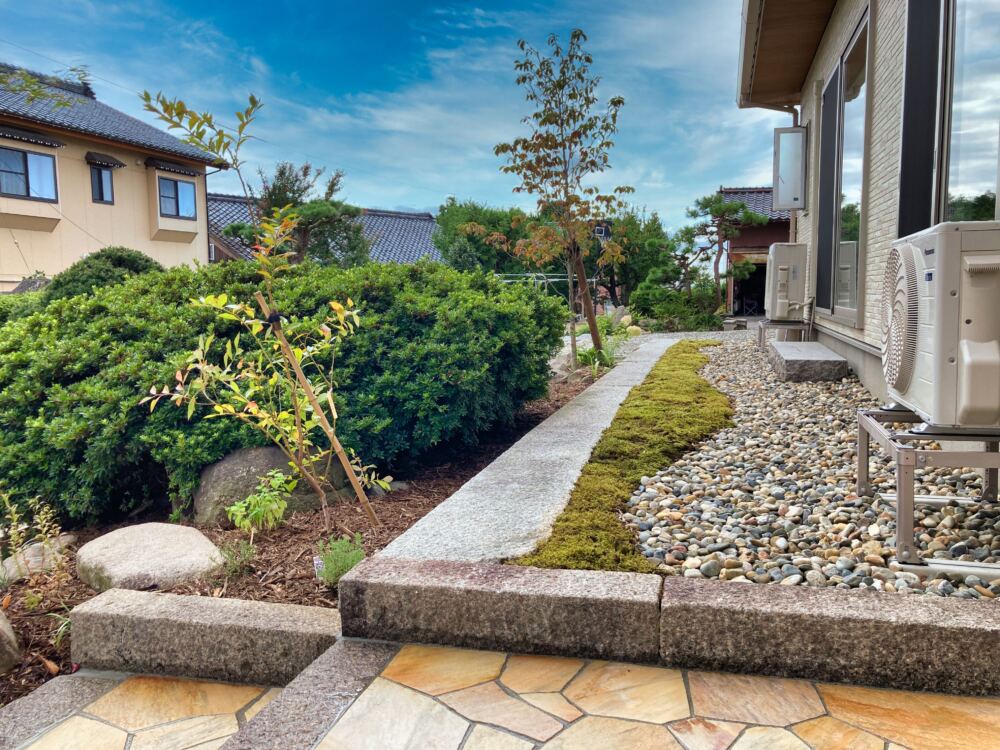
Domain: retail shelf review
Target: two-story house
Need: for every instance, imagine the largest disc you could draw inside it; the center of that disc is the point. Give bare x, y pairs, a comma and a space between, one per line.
77, 175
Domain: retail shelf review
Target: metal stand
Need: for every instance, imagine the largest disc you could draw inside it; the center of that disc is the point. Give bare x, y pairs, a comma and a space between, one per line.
783, 325
872, 424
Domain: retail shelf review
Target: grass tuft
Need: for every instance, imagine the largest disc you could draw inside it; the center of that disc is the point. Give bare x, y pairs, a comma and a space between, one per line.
669, 411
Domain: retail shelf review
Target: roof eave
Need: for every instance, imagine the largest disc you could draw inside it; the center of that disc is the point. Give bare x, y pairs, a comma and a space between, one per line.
111, 141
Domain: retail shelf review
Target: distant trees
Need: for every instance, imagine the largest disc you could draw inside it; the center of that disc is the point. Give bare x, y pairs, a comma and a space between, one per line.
470, 250
980, 207
327, 230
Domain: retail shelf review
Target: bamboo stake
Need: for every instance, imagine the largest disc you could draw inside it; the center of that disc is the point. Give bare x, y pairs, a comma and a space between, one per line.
321, 414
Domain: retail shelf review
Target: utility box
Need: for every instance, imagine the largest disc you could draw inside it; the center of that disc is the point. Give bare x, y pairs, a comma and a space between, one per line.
785, 295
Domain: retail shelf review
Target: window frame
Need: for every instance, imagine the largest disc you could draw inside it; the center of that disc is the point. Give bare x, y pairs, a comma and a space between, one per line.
850, 316
160, 179
111, 183
27, 176
945, 99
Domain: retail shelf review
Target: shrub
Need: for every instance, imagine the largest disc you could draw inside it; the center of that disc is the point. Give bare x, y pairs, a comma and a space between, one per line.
265, 507
337, 557
440, 356
112, 265
19, 305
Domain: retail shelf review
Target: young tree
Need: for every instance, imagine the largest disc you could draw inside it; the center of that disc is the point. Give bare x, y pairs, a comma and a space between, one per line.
718, 221
567, 147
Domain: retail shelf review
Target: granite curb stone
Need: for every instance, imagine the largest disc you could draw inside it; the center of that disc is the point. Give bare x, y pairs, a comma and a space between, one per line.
878, 639
800, 361
195, 636
316, 699
601, 614
49, 704
509, 507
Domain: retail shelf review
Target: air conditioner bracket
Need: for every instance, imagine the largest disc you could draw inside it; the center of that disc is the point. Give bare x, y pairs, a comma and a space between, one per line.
903, 446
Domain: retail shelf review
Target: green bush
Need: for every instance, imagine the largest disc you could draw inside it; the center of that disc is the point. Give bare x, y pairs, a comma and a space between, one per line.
440, 356
13, 306
112, 265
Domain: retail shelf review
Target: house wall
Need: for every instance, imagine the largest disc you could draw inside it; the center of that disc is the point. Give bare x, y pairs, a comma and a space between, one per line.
49, 237
859, 340
763, 236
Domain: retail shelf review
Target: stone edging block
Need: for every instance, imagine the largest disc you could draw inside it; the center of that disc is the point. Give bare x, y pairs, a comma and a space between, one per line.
869, 638
197, 636
316, 699
602, 614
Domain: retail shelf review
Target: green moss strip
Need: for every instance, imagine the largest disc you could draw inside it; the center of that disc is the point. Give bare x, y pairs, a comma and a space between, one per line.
669, 411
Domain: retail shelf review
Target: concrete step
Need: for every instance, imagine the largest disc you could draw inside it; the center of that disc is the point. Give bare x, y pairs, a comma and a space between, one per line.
805, 360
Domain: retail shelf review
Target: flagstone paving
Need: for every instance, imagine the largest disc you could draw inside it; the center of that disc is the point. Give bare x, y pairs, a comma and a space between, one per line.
443, 698
157, 713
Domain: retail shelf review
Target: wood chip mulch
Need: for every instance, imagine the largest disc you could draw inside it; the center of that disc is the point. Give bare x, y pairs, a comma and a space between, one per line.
282, 570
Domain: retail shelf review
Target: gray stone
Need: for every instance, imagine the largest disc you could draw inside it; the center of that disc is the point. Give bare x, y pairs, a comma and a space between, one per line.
37, 557
236, 476
862, 637
196, 636
508, 508
147, 556
607, 615
10, 646
805, 360
49, 704
316, 699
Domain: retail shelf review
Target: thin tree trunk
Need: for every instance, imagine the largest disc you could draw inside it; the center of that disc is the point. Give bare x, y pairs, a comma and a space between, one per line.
320, 413
588, 303
572, 315
718, 279
613, 286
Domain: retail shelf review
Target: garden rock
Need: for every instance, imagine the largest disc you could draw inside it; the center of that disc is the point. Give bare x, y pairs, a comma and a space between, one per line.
37, 557
10, 648
147, 556
236, 476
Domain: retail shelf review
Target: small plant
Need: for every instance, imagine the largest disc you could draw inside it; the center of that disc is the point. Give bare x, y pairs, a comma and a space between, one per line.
65, 625
338, 556
238, 558
32, 600
19, 528
265, 507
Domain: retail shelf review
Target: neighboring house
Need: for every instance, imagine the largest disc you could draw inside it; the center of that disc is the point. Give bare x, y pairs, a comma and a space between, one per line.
395, 236
900, 103
83, 176
746, 296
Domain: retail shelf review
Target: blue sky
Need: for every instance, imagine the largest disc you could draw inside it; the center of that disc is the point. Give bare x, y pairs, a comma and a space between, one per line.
408, 98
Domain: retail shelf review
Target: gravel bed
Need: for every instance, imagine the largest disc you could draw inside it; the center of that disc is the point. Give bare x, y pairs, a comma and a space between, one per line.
773, 499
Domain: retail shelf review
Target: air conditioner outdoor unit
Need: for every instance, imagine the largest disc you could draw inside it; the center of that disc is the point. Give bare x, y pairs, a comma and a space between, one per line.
941, 324
785, 297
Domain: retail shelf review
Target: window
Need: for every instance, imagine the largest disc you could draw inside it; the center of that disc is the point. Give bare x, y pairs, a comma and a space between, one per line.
176, 198
841, 179
25, 174
971, 105
101, 187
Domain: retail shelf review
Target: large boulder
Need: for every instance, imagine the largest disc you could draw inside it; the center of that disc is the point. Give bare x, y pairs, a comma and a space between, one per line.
37, 557
236, 476
147, 556
10, 647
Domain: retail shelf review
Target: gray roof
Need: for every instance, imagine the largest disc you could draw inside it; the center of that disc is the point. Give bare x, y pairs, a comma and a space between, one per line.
395, 236
399, 236
757, 199
88, 116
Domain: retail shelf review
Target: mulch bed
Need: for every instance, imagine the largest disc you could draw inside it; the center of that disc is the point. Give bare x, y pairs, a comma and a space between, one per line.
281, 571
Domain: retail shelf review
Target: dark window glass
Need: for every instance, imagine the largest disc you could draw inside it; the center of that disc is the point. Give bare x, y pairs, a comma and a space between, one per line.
101, 185
177, 198
829, 111
27, 174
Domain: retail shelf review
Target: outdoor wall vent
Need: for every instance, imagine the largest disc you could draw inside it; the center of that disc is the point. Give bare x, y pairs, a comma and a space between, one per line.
941, 324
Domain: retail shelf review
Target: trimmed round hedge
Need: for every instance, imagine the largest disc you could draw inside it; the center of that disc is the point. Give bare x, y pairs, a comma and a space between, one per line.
440, 356
111, 265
